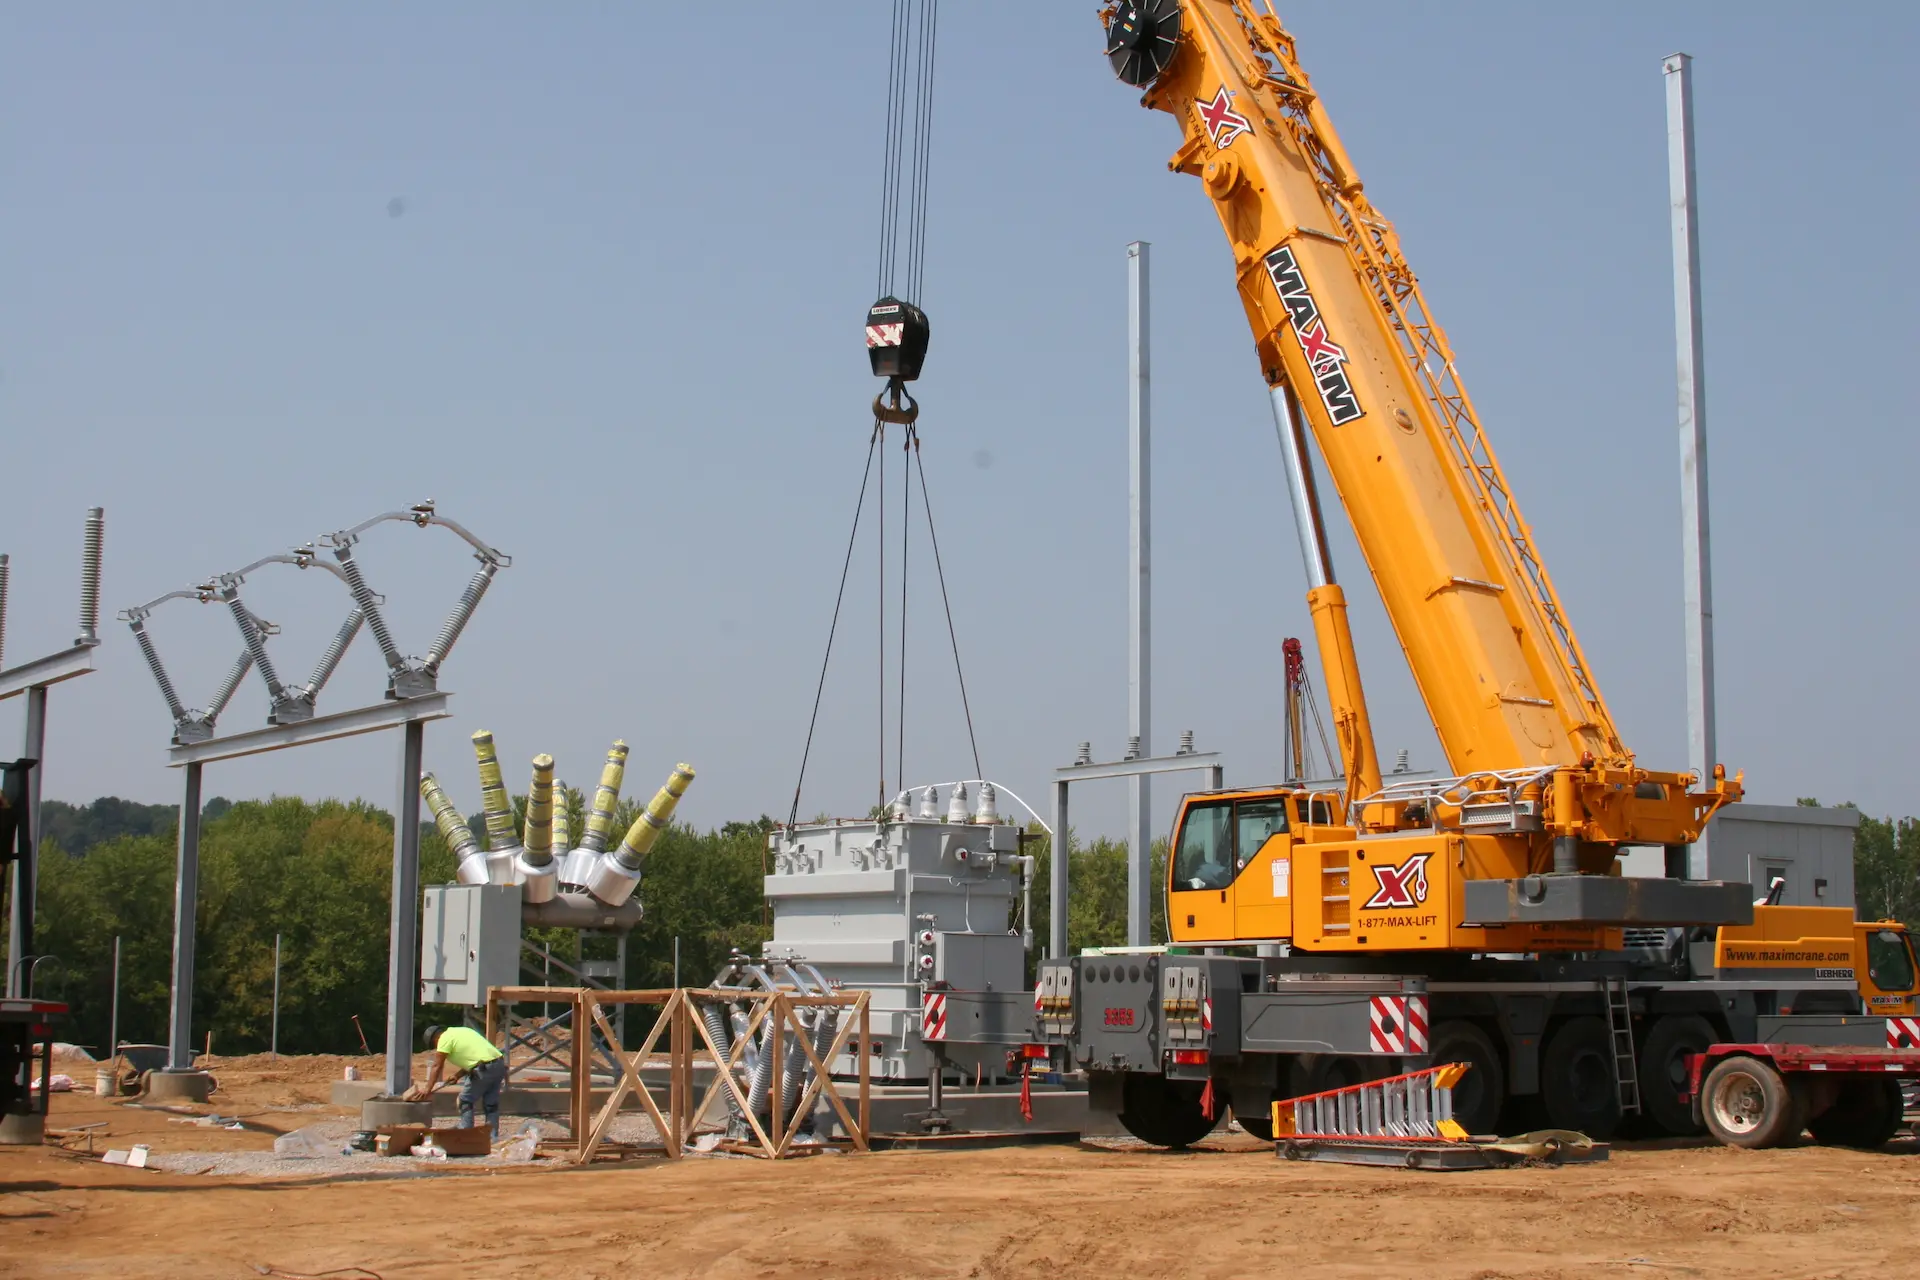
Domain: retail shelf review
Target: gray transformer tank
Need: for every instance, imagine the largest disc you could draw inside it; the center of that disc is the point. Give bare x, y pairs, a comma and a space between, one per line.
913, 905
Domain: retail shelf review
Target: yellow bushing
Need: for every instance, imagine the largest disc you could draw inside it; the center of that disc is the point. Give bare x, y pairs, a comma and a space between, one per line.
606, 798
494, 803
654, 818
537, 838
453, 828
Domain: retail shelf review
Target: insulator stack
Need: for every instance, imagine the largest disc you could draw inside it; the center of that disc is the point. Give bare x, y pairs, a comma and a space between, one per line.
229, 686
152, 656
472, 859
537, 832
463, 611
5, 573
369, 606
336, 649
255, 642
90, 577
606, 798
494, 804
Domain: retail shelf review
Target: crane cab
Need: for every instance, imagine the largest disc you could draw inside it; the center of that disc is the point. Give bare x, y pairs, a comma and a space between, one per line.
1230, 863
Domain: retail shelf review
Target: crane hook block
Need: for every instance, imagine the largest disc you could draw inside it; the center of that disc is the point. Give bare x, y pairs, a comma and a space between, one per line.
897, 334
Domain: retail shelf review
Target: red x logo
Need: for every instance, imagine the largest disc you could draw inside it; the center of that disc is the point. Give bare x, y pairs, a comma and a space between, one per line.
1222, 121
1404, 885
1320, 350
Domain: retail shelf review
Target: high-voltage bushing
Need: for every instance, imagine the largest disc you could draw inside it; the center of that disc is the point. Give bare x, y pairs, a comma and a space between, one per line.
728, 1020
615, 873
596, 890
408, 676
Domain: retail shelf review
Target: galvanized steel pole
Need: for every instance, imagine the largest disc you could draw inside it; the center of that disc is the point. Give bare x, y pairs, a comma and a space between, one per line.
113, 1018
1057, 877
275, 1044
1696, 565
403, 954
186, 894
1139, 599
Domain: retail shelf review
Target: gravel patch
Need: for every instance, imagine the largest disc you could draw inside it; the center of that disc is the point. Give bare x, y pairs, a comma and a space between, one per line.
344, 1163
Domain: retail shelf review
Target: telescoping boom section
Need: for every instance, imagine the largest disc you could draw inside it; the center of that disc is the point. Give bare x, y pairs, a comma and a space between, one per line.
1543, 792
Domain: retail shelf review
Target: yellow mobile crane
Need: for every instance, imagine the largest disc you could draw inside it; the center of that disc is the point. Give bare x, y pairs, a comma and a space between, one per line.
1480, 917
1515, 851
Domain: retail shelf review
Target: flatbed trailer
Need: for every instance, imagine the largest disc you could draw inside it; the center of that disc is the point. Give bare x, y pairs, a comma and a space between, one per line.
1761, 1095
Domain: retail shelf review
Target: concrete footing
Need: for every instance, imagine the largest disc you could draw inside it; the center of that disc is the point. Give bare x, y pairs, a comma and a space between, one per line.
179, 1086
18, 1130
375, 1112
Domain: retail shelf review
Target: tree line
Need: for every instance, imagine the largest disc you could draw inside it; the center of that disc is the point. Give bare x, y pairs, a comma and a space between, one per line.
319, 875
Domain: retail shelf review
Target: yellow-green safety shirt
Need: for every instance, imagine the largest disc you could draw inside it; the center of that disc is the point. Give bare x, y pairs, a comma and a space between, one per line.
465, 1048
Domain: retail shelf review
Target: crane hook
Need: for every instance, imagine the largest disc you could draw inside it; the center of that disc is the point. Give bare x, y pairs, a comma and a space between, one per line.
887, 406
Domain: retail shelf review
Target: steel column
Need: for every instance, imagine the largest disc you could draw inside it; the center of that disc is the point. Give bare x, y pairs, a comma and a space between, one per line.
1696, 561
186, 892
24, 891
1057, 878
1139, 598
403, 952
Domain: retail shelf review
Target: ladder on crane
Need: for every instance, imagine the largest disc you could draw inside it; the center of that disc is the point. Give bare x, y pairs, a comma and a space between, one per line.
1626, 1072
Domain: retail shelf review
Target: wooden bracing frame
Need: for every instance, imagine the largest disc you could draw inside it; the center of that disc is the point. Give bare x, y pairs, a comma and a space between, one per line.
687, 1040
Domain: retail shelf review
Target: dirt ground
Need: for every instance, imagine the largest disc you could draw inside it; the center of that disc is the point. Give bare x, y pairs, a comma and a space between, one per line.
1229, 1209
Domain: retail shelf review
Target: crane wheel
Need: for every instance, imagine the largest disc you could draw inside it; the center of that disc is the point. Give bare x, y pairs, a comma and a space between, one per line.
1576, 1079
1165, 1113
1481, 1093
1259, 1123
1747, 1104
1865, 1115
1663, 1071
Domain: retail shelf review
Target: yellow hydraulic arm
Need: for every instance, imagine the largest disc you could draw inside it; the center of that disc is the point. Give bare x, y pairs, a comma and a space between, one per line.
1352, 354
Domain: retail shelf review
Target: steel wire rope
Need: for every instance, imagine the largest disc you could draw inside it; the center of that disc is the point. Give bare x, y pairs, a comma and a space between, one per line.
866, 474
946, 603
906, 529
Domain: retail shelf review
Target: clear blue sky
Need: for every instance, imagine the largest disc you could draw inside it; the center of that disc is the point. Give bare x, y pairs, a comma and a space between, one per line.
616, 328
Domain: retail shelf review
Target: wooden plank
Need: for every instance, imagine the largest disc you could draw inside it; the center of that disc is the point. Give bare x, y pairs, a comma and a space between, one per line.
630, 1082
866, 1074
822, 1080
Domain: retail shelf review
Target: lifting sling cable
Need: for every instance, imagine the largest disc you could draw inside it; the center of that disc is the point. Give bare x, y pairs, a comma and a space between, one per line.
897, 335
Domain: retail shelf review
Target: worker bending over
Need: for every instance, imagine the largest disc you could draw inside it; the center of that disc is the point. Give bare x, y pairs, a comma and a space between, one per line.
474, 1057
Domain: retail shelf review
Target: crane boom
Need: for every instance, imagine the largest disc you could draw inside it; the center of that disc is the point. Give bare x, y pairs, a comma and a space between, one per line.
1351, 353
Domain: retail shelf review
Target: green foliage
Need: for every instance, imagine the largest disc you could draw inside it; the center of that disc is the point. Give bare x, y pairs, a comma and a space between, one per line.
1097, 874
78, 828
318, 874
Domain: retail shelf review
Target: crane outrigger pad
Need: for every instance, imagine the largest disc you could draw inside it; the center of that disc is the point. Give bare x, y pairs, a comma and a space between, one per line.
1550, 1147
1607, 900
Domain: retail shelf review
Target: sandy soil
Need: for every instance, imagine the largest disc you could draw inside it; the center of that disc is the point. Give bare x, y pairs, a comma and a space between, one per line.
1228, 1210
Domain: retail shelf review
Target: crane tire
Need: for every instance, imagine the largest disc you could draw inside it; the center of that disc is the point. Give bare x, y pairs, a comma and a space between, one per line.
1576, 1078
1163, 1112
1482, 1092
1663, 1071
1865, 1115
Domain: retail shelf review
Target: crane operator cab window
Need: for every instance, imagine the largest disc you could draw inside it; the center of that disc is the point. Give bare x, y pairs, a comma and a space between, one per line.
1210, 855
1204, 859
1889, 960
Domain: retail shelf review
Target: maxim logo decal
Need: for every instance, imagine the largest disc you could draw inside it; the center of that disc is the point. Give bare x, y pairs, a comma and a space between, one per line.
1404, 885
1327, 359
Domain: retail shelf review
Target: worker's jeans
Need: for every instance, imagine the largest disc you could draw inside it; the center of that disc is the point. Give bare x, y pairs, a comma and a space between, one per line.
483, 1085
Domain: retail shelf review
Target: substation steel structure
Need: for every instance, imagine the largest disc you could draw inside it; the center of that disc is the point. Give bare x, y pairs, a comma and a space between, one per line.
413, 699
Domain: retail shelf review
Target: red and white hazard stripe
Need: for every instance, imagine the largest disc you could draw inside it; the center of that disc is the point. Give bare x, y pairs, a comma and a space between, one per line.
1206, 1014
1397, 1024
933, 1016
885, 335
1903, 1033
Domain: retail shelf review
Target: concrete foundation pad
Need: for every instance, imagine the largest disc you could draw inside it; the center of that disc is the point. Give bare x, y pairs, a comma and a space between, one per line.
17, 1130
376, 1112
179, 1086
